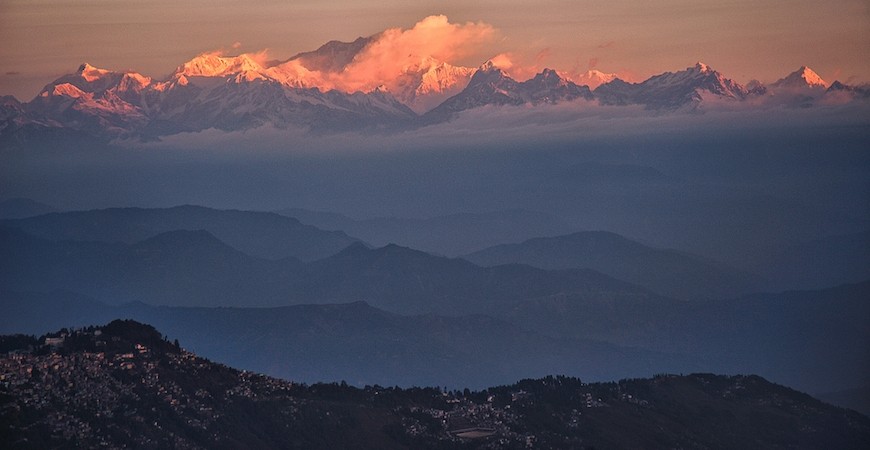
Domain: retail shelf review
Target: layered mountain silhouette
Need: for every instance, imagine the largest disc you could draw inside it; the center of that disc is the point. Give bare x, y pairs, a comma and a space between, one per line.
193, 268
491, 85
260, 234
598, 308
813, 340
450, 235
668, 272
19, 208
672, 89
818, 263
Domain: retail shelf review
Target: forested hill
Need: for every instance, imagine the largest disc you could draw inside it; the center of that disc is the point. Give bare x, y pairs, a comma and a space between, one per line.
125, 385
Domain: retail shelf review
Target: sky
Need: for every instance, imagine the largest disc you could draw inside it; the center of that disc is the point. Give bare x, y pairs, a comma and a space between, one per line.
759, 39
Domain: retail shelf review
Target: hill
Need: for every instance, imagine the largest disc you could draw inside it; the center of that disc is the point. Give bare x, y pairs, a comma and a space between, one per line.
814, 340
668, 272
194, 268
176, 267
450, 235
355, 342
259, 234
125, 385
18, 208
404, 281
819, 263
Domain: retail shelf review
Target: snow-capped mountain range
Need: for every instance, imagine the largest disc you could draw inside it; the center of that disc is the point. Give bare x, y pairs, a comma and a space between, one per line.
325, 90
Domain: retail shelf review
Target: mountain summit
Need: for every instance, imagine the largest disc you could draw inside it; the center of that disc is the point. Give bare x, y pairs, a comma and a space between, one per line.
672, 90
802, 78
124, 385
353, 86
491, 85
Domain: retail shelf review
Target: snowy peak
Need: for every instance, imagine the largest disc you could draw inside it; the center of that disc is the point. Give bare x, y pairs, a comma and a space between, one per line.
701, 68
802, 78
214, 65
91, 73
440, 76
699, 72
333, 56
851, 92
97, 83
65, 90
345, 86
134, 82
593, 78
550, 76
487, 66
490, 74
490, 68
424, 85
550, 87
492, 86
673, 90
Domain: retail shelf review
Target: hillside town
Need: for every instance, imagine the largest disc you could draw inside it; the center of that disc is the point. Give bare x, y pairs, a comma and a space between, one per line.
124, 385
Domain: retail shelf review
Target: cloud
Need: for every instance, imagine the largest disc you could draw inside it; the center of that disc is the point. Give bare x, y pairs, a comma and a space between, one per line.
385, 61
503, 61
511, 126
518, 66
396, 49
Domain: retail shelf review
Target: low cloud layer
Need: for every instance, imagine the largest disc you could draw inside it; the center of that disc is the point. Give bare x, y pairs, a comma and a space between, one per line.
509, 126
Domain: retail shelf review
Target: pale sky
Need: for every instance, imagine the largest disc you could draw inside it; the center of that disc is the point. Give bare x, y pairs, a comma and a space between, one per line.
744, 39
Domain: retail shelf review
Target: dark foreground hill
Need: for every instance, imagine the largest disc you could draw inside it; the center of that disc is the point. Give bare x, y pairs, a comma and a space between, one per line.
124, 385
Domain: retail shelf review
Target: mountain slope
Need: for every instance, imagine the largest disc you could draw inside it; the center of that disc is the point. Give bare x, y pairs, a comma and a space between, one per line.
814, 340
357, 342
19, 208
142, 391
803, 78
593, 78
193, 268
819, 263
667, 272
807, 339
672, 90
209, 91
259, 234
125, 385
450, 235
491, 85
332, 56
176, 267
408, 281
336, 88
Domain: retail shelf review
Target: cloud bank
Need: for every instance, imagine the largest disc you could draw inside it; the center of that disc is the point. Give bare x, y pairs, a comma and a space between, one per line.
494, 127
392, 52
